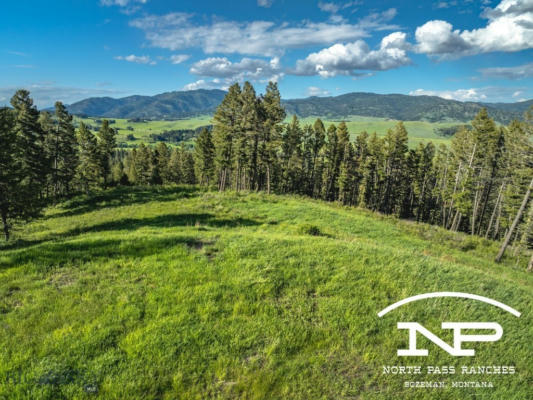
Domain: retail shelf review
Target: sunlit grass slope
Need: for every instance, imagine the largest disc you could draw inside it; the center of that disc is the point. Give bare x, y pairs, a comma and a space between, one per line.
176, 293
141, 130
419, 131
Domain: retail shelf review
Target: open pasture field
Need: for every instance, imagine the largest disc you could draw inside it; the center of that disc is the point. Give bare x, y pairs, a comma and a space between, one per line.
419, 131
141, 130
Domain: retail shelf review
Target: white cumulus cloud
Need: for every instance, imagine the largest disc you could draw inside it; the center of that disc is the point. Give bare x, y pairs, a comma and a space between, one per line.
483, 94
460, 94
509, 29
348, 59
209, 84
247, 68
177, 31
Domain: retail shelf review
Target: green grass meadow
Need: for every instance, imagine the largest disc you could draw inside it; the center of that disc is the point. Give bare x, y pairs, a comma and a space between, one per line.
178, 293
143, 130
419, 131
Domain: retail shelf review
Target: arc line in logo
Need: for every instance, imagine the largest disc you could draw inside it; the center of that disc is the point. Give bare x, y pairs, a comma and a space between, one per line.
449, 294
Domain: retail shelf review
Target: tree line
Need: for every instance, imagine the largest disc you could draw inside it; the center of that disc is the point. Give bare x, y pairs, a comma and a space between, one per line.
45, 158
481, 184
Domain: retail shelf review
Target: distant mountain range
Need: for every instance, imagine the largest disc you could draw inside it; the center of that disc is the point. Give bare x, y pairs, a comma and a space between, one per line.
168, 105
403, 107
174, 105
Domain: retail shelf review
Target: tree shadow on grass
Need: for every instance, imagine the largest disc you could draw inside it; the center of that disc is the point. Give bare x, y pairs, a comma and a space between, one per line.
164, 221
58, 254
123, 196
15, 244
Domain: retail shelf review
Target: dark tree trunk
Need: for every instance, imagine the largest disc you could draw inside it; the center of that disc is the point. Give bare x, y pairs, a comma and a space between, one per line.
5, 224
268, 178
517, 218
496, 206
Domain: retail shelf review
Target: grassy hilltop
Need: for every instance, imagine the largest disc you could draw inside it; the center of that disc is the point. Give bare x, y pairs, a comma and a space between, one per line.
176, 293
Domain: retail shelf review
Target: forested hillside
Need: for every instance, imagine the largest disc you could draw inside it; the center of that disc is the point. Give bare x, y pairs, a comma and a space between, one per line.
401, 107
394, 106
163, 106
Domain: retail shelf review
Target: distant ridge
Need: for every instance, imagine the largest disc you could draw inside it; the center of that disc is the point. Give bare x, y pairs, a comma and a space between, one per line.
174, 105
403, 107
168, 105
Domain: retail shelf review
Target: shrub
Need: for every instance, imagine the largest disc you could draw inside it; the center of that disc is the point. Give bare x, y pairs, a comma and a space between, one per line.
308, 229
468, 244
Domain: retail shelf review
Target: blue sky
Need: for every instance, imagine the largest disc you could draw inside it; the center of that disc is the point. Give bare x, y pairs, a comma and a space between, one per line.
479, 50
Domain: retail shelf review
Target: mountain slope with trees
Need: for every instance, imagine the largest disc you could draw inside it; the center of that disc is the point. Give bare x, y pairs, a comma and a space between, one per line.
394, 106
162, 106
401, 107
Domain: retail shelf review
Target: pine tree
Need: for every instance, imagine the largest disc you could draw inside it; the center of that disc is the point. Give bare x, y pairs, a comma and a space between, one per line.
348, 176
395, 151
31, 156
89, 172
175, 166
441, 171
49, 128
67, 155
317, 144
516, 220
130, 166
204, 152
10, 177
331, 163
226, 128
272, 116
291, 153
423, 181
106, 147
370, 188
250, 127
119, 176
143, 165
187, 167
162, 159
307, 160
31, 138
490, 146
